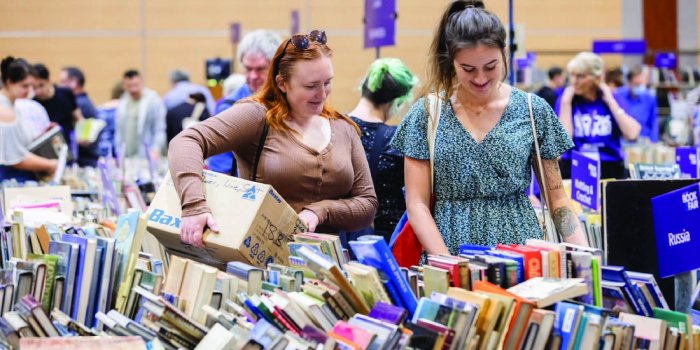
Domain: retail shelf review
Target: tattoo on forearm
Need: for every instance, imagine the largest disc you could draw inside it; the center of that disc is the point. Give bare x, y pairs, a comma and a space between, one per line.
551, 171
565, 221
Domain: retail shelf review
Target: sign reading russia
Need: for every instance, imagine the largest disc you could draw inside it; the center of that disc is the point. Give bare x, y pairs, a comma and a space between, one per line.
584, 180
380, 23
676, 225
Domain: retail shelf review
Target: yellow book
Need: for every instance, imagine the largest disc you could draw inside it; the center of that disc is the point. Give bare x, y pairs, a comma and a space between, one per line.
366, 280
174, 276
129, 247
489, 309
435, 279
503, 320
197, 289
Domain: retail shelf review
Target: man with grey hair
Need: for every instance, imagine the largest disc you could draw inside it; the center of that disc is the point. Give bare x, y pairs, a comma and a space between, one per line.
255, 53
182, 88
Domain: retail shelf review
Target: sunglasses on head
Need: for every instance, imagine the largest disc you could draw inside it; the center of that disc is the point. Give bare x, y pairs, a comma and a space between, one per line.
301, 42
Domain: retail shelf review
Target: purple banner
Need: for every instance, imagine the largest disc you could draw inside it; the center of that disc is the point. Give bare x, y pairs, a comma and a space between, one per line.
687, 160
620, 46
235, 32
676, 222
585, 176
665, 60
522, 63
295, 22
380, 23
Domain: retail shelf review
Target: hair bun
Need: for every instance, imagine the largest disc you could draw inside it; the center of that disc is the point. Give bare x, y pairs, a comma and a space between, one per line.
474, 4
5, 65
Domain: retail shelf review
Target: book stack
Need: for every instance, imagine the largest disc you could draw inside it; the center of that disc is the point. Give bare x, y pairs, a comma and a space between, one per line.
89, 280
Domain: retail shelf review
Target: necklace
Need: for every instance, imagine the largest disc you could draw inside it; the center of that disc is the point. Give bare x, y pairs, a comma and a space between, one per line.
481, 108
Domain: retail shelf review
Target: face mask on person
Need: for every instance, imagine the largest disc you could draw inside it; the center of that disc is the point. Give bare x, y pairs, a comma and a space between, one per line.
639, 90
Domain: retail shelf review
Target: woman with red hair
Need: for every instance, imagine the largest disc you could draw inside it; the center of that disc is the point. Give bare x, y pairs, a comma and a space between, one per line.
287, 136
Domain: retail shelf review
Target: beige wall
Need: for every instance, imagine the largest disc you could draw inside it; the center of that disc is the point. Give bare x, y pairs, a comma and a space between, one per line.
106, 37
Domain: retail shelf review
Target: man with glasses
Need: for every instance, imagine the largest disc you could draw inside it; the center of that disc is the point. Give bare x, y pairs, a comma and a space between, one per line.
254, 53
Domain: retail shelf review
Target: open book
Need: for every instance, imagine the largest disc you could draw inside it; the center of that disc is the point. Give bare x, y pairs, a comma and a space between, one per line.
547, 291
48, 144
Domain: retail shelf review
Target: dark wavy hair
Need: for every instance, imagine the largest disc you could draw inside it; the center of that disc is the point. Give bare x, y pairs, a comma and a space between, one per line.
464, 24
14, 70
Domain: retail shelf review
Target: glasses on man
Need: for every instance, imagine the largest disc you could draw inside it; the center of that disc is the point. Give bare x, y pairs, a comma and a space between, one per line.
301, 42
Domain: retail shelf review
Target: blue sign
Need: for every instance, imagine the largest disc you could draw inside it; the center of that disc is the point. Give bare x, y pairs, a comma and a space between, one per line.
522, 63
585, 176
620, 46
235, 32
665, 60
380, 23
687, 160
295, 22
677, 230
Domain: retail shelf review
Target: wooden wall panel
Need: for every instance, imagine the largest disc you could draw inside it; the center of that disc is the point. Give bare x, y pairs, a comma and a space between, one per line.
69, 15
105, 37
103, 60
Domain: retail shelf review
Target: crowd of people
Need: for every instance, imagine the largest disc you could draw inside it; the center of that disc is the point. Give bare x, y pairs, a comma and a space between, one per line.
347, 172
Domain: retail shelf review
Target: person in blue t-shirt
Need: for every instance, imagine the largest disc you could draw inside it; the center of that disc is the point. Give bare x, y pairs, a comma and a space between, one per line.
640, 103
255, 53
593, 118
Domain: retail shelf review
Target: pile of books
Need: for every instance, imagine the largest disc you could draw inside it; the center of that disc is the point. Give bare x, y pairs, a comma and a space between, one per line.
113, 279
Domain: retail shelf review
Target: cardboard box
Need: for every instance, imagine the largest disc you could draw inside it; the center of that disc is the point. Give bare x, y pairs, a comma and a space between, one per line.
255, 223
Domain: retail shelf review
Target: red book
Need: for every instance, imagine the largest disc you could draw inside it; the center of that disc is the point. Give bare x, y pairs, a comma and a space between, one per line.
532, 259
521, 314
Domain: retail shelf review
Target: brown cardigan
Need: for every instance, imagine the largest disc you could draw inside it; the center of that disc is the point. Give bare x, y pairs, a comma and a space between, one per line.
335, 183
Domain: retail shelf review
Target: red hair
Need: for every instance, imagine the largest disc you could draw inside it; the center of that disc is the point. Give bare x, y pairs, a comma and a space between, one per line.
274, 99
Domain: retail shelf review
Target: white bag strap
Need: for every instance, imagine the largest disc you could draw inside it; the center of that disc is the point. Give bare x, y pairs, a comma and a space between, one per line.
434, 111
543, 176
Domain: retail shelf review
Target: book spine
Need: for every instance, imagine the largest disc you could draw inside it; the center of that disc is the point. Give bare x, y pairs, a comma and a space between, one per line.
391, 268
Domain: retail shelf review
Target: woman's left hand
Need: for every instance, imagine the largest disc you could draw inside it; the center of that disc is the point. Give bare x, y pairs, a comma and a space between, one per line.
310, 219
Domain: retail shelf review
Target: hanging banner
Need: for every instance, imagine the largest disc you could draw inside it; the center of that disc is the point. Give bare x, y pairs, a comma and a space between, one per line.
380, 23
620, 46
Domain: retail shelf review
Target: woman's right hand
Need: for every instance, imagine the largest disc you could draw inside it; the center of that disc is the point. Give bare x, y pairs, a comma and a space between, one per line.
193, 227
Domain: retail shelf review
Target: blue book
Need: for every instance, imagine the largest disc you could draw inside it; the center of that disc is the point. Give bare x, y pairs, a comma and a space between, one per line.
106, 273
473, 249
567, 320
68, 256
618, 274
84, 287
651, 284
94, 287
393, 294
373, 251
80, 266
581, 330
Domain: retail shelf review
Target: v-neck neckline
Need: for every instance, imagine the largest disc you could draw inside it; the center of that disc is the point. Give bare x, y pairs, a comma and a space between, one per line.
495, 126
323, 150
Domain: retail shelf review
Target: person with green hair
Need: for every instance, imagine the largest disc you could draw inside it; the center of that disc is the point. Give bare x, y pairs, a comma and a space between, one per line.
385, 88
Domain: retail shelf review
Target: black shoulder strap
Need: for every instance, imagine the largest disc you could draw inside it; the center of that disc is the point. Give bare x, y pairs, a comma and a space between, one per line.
258, 152
380, 141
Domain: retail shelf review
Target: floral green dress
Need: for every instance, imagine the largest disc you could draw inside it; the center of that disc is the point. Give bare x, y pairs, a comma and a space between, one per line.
481, 188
